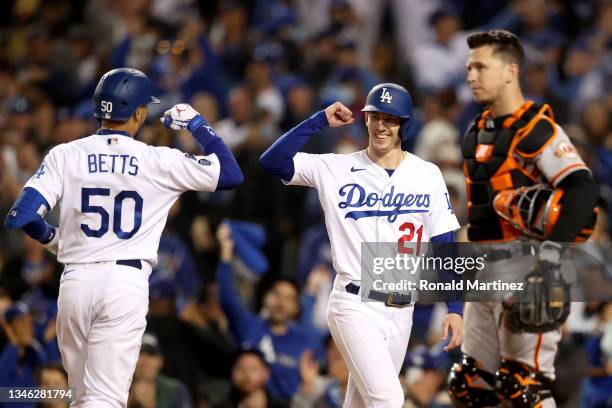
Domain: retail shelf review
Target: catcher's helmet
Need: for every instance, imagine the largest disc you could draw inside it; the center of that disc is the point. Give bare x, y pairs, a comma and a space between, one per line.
120, 92
392, 99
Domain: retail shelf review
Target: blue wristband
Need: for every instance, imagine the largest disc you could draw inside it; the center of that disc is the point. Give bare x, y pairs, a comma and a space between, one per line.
195, 123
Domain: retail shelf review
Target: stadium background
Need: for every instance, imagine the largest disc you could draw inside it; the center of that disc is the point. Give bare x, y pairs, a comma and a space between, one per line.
255, 69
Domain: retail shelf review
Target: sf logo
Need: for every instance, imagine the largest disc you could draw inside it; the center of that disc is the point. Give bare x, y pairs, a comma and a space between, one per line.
385, 96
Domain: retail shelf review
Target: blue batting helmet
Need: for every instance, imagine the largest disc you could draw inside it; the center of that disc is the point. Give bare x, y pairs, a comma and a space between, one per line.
392, 99
120, 92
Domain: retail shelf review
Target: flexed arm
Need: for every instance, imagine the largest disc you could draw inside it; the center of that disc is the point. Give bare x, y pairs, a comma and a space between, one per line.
183, 116
278, 159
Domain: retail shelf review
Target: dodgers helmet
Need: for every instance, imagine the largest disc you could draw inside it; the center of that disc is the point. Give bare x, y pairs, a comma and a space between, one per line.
120, 92
392, 99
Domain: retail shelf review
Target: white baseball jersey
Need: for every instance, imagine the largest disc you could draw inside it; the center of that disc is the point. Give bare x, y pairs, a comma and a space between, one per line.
362, 203
115, 193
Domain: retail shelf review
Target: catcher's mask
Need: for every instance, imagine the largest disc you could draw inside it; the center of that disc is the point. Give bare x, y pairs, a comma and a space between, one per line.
534, 210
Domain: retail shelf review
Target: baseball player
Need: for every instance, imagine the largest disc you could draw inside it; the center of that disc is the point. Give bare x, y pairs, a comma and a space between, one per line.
114, 194
514, 147
372, 336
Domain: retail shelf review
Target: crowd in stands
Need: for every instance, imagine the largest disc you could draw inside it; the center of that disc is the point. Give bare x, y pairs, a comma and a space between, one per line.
238, 297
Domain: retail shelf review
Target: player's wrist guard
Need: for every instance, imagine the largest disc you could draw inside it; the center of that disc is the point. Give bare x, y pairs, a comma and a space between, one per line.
195, 123
53, 243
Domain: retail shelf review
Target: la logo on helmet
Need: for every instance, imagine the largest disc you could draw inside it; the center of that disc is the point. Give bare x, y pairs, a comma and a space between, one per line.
386, 96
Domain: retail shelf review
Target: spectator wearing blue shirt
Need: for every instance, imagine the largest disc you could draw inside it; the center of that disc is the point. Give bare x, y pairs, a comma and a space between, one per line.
23, 354
597, 388
274, 333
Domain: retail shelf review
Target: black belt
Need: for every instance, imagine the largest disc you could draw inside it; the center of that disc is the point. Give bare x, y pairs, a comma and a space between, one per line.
393, 299
134, 263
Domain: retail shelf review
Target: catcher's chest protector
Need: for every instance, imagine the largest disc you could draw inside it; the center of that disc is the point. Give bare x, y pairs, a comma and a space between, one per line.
499, 158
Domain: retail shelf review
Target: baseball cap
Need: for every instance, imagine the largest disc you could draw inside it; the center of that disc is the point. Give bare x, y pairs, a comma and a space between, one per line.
150, 345
15, 310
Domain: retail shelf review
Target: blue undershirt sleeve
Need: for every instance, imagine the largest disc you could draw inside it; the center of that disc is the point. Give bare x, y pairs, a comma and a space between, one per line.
278, 159
230, 175
443, 246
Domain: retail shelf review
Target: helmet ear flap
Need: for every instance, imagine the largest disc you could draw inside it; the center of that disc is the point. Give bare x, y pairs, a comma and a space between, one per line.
405, 129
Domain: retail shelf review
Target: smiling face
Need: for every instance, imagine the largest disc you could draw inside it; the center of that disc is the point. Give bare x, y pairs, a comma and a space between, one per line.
383, 131
489, 74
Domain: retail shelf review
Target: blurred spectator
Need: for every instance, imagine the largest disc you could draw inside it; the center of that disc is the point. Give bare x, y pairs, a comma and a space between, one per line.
442, 63
597, 388
34, 268
250, 374
537, 88
52, 377
150, 388
322, 391
23, 353
235, 128
191, 353
315, 298
176, 263
254, 68
274, 332
268, 99
300, 104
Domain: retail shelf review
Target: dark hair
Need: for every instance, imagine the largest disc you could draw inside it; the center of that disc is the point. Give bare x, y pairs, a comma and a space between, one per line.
503, 42
249, 352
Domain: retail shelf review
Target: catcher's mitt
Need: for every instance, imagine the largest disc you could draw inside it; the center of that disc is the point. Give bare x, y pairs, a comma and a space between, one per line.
543, 304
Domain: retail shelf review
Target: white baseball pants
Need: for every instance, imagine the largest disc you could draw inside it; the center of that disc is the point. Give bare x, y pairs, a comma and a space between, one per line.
102, 310
373, 339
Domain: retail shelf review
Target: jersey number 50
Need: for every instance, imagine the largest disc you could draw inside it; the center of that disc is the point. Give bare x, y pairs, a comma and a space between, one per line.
86, 207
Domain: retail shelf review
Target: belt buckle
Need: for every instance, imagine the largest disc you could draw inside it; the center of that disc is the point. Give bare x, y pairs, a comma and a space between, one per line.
391, 303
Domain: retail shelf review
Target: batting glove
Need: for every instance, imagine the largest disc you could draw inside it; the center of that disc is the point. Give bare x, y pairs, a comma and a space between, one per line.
182, 116
52, 246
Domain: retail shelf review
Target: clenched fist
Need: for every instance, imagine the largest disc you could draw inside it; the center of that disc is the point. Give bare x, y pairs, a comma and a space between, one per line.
182, 116
338, 115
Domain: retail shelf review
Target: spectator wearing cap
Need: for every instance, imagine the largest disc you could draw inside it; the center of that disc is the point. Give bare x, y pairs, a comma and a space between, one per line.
190, 352
274, 332
150, 388
250, 374
23, 354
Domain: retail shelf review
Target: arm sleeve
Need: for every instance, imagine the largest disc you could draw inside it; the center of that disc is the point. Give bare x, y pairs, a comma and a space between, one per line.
230, 175
558, 157
240, 318
279, 159
183, 171
48, 179
443, 217
28, 212
577, 204
444, 246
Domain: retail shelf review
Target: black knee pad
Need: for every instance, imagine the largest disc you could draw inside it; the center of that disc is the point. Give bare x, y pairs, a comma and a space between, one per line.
462, 388
521, 385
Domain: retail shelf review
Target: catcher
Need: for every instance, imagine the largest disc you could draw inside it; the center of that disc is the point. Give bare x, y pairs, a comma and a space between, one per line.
525, 180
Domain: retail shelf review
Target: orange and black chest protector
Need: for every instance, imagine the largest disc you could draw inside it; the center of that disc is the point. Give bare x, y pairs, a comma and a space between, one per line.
496, 156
